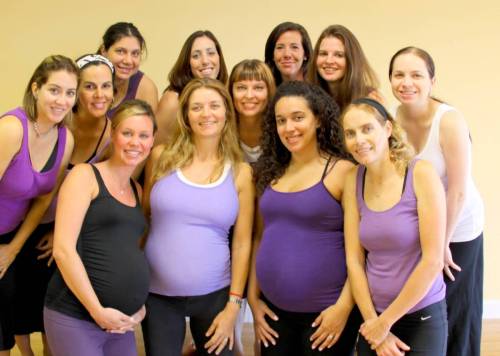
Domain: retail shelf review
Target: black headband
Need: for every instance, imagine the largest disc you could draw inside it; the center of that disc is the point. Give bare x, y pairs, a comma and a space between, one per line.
374, 104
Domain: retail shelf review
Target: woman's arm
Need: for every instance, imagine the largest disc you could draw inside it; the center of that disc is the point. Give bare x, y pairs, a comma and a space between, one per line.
431, 207
77, 191
454, 140
222, 327
148, 179
332, 320
355, 253
148, 92
35, 214
166, 115
263, 332
11, 136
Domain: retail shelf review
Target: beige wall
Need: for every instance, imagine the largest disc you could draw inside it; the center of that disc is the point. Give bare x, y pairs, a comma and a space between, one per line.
463, 38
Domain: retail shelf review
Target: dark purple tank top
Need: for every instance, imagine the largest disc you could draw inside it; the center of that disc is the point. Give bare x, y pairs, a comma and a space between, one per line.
391, 239
133, 85
21, 183
301, 263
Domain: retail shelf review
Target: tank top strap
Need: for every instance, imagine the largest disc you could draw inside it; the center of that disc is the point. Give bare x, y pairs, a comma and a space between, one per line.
103, 191
360, 175
136, 193
133, 85
327, 169
96, 150
408, 190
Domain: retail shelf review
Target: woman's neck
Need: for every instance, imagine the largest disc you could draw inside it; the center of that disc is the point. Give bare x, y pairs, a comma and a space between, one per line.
304, 157
88, 123
419, 112
206, 149
380, 171
250, 130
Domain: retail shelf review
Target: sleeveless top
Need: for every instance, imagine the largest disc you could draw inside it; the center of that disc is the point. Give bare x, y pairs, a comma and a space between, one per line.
108, 245
300, 263
471, 220
187, 247
21, 183
391, 239
133, 85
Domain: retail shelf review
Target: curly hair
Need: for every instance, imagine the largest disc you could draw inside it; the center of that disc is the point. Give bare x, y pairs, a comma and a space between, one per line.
275, 157
400, 151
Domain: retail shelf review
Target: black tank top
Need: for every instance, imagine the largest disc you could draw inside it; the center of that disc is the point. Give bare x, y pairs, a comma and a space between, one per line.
109, 248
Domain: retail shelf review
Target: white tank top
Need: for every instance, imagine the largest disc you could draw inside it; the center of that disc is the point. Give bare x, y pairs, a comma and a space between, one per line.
471, 220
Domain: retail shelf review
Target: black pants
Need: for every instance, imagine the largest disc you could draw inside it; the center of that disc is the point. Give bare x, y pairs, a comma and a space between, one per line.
164, 326
424, 331
294, 330
464, 297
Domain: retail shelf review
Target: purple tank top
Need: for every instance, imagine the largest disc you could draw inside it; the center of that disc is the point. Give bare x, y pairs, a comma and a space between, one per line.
391, 239
301, 263
21, 183
188, 247
133, 85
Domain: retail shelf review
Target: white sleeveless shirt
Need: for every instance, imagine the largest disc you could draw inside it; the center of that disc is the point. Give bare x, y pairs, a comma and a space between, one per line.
471, 220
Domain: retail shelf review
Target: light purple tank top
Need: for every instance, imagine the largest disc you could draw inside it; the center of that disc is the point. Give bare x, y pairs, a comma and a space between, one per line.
21, 183
188, 248
391, 239
133, 85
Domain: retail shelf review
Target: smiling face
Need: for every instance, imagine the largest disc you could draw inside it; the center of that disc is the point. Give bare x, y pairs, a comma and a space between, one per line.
204, 59
125, 54
206, 113
296, 124
331, 61
410, 80
366, 139
56, 97
133, 139
250, 97
95, 93
289, 55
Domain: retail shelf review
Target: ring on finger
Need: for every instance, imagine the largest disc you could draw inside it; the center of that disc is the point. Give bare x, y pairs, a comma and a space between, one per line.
330, 336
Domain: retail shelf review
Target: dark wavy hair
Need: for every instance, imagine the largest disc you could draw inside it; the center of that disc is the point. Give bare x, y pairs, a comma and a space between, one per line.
275, 157
271, 43
180, 74
117, 31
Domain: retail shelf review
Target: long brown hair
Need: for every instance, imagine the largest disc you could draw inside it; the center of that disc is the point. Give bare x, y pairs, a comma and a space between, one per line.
359, 79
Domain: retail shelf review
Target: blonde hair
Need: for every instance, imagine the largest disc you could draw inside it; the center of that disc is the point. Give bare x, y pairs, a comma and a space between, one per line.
400, 152
180, 150
132, 108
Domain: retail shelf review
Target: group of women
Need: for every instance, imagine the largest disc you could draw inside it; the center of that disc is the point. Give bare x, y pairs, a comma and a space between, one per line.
252, 177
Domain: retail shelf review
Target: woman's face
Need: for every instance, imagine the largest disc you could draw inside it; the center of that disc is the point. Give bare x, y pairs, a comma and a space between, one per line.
289, 55
56, 97
410, 80
296, 124
206, 113
95, 92
250, 97
133, 139
125, 54
331, 61
204, 58
365, 138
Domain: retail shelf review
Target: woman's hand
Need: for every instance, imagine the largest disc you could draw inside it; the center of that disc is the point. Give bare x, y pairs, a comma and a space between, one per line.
221, 331
375, 331
330, 323
392, 346
45, 246
113, 320
7, 255
449, 263
263, 332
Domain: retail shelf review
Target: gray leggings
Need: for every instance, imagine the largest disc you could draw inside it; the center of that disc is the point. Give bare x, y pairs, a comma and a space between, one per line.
164, 326
70, 336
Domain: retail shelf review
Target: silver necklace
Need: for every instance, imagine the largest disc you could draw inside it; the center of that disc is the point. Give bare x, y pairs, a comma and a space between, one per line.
36, 128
